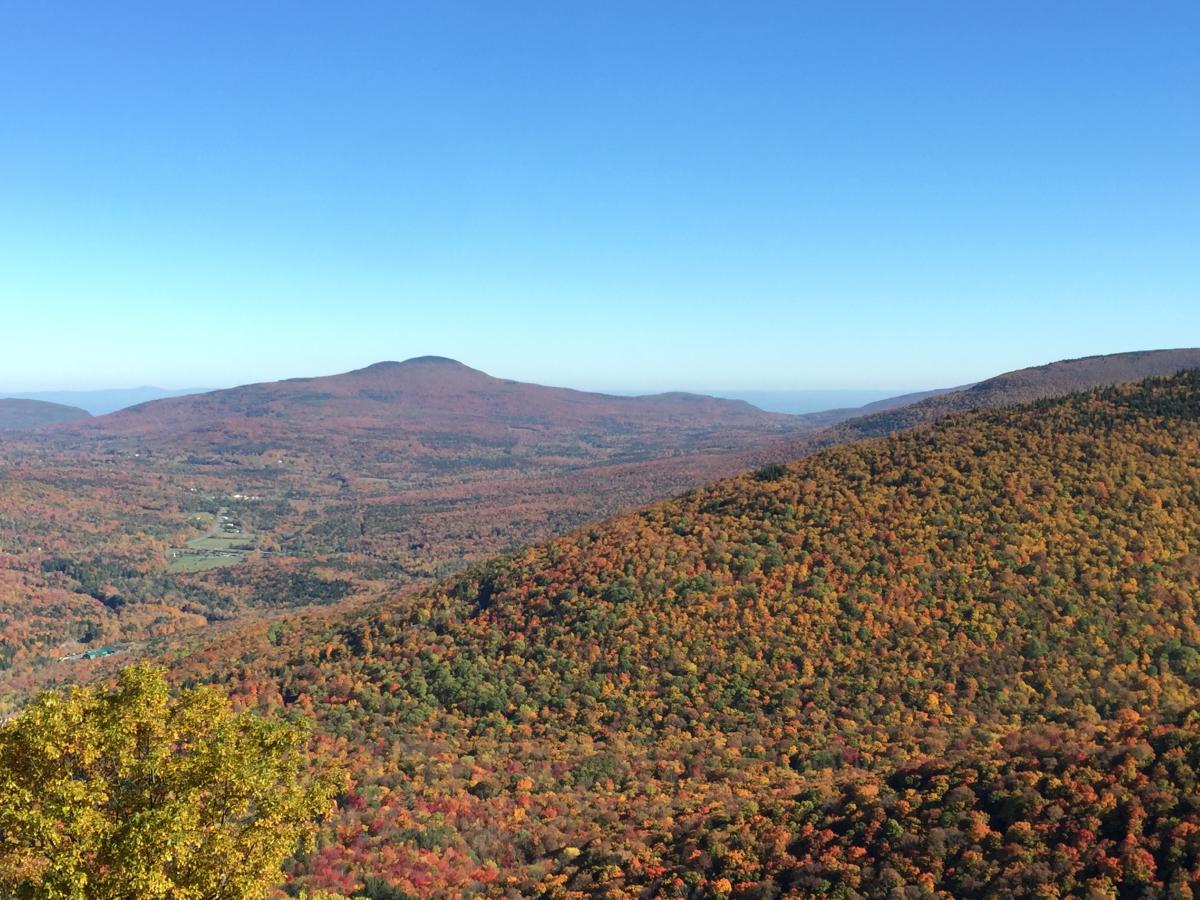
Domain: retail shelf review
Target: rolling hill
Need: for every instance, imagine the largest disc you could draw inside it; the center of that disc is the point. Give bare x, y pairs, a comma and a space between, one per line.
25, 415
960, 661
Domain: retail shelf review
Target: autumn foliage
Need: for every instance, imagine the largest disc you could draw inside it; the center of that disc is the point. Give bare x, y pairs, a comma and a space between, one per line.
131, 792
959, 661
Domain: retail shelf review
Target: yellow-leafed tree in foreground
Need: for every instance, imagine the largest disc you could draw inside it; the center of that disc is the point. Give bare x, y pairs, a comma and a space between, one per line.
133, 792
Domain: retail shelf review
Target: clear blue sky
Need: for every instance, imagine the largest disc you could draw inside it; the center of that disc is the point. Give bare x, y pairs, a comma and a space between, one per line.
620, 195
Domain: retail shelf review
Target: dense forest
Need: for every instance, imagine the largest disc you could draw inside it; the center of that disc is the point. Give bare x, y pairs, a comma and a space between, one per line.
958, 661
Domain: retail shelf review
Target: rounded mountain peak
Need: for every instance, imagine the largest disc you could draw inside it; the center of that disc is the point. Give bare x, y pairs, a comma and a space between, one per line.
431, 361
387, 365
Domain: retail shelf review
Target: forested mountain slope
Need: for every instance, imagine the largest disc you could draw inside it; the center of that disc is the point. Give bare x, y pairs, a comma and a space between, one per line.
958, 661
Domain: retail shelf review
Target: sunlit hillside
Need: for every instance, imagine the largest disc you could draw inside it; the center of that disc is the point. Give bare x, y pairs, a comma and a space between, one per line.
959, 659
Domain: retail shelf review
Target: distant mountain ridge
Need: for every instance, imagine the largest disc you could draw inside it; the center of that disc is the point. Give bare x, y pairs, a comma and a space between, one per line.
421, 395
431, 411
1054, 379
104, 400
831, 417
24, 415
802, 401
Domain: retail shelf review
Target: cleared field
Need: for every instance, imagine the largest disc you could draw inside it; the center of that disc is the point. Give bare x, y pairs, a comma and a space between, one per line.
217, 547
186, 561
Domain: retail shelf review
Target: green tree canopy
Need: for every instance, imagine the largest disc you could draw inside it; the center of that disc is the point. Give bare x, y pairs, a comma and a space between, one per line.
131, 792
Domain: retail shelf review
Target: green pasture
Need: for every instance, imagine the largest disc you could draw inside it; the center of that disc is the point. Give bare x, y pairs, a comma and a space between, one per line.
185, 561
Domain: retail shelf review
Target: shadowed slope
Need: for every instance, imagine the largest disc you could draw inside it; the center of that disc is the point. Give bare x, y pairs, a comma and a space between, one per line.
24, 415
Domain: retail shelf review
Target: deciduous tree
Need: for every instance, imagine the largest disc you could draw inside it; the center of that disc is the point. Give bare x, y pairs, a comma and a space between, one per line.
133, 792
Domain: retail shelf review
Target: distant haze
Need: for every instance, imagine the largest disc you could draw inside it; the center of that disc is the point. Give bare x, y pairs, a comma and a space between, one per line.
106, 400
99, 402
807, 401
795, 402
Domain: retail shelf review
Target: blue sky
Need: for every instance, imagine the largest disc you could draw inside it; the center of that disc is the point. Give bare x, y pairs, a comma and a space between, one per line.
605, 195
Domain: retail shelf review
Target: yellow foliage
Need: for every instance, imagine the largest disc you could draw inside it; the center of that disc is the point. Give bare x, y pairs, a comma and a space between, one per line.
131, 792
